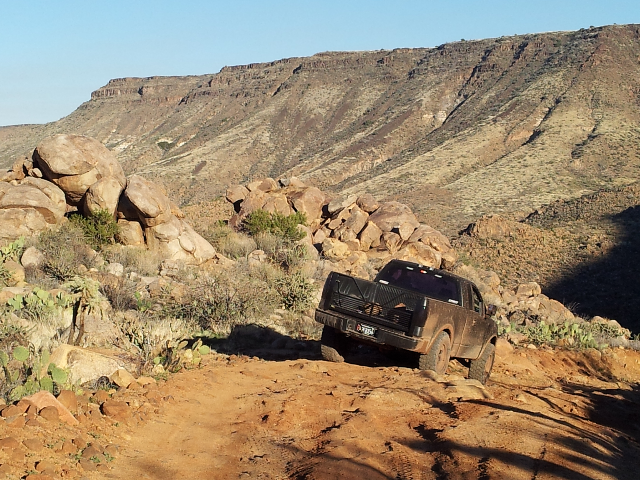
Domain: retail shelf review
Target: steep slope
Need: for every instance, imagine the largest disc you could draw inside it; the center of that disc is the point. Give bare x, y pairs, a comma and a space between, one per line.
497, 125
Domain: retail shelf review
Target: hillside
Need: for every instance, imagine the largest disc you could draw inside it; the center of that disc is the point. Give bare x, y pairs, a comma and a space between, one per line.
467, 128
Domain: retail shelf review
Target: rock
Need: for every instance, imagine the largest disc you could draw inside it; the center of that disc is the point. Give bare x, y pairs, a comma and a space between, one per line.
33, 443
130, 233
392, 215
54, 193
340, 203
370, 236
491, 226
152, 205
367, 203
308, 201
319, 236
122, 378
21, 222
115, 268
116, 410
236, 193
355, 222
419, 253
334, 249
103, 195
391, 241
528, 290
83, 364
277, 203
74, 163
9, 443
264, 185
32, 258
11, 411
176, 240
405, 230
448, 259
68, 399
254, 201
31, 197
44, 400
432, 237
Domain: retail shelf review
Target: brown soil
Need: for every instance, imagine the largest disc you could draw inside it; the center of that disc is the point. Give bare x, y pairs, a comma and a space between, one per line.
545, 414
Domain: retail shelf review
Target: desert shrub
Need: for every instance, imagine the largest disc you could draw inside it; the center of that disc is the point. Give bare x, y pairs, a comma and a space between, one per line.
282, 251
295, 291
133, 259
39, 305
229, 242
285, 226
121, 294
5, 275
99, 228
219, 302
64, 249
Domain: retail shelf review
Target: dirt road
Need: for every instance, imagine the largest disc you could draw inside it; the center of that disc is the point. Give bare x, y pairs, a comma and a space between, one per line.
544, 415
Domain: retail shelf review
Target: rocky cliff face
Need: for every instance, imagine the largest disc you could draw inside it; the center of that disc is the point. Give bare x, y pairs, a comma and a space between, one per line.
489, 126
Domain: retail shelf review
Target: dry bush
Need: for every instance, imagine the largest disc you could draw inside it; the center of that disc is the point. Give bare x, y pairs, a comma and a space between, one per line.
65, 249
134, 259
121, 294
282, 251
229, 242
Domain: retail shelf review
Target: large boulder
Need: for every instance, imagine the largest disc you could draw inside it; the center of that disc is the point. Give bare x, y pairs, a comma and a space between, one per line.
85, 365
130, 233
176, 240
26, 196
150, 202
19, 222
103, 195
392, 215
75, 162
309, 201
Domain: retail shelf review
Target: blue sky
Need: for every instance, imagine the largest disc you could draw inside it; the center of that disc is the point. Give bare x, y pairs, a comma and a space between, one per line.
54, 53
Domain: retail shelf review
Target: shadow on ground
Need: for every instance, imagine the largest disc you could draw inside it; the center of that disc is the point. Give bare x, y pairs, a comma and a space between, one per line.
608, 286
265, 343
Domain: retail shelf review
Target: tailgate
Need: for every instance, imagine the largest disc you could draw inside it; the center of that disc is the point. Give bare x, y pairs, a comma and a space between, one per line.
377, 303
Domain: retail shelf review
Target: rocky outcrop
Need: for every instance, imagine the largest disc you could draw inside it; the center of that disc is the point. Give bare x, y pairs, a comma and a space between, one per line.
347, 230
80, 173
75, 163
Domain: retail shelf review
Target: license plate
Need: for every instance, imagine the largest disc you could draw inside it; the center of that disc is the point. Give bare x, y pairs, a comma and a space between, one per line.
365, 330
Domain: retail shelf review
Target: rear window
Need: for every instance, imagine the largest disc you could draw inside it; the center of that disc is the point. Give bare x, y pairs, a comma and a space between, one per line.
423, 280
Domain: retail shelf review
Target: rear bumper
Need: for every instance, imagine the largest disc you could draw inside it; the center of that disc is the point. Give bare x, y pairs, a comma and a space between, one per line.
383, 336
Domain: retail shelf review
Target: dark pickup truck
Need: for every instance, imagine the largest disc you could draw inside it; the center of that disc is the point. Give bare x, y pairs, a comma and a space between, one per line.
410, 307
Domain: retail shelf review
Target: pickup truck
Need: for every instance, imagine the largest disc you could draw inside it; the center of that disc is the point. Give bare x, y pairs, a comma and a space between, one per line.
409, 307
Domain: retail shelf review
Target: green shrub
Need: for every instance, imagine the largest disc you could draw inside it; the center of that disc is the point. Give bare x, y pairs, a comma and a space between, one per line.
285, 226
99, 228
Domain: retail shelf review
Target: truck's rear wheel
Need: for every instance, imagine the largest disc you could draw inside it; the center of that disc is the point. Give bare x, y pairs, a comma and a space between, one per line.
333, 345
480, 369
437, 358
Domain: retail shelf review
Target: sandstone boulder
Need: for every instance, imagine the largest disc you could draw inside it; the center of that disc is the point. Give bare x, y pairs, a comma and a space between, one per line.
370, 236
75, 162
432, 237
130, 233
277, 203
31, 197
368, 203
340, 203
32, 258
236, 193
152, 205
419, 253
103, 195
392, 215
21, 222
84, 365
264, 185
177, 240
334, 249
309, 201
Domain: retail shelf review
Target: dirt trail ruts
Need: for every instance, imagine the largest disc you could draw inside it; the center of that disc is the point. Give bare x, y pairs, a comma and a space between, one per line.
545, 415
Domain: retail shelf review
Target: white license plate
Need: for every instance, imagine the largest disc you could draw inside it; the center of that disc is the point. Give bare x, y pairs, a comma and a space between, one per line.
365, 330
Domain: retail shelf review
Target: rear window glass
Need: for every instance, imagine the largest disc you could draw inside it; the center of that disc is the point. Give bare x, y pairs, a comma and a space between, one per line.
423, 280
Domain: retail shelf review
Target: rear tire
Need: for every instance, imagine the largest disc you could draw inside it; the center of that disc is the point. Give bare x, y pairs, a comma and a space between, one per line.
437, 358
333, 345
480, 369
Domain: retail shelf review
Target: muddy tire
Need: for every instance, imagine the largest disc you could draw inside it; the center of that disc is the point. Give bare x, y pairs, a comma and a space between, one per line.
480, 369
333, 345
437, 358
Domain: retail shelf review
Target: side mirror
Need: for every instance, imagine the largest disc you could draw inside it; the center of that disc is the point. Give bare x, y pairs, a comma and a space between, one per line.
490, 310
